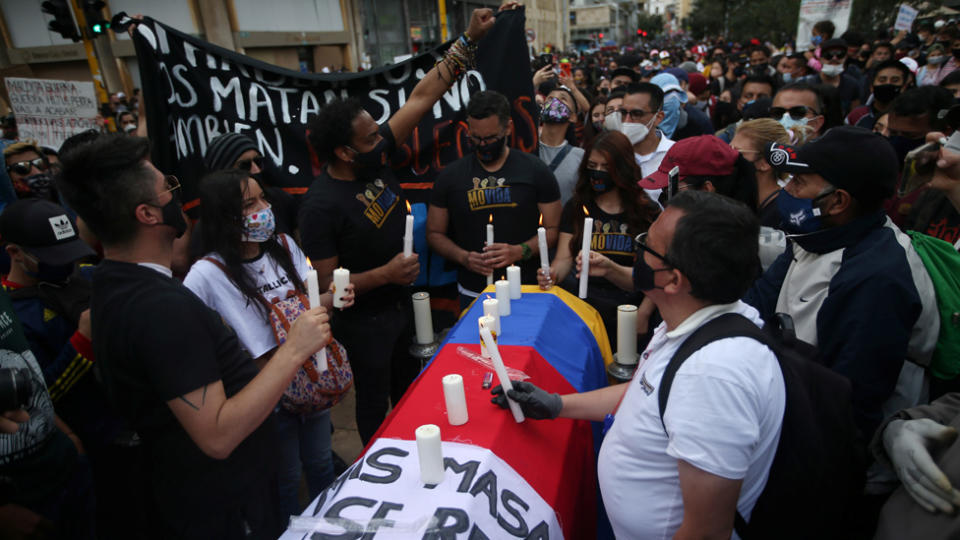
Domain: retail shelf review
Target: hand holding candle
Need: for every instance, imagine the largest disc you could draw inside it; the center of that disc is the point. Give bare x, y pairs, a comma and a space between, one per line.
490, 243
341, 278
408, 234
313, 296
542, 245
501, 371
585, 253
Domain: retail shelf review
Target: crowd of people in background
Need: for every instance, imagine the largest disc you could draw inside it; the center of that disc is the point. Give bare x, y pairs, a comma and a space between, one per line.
723, 178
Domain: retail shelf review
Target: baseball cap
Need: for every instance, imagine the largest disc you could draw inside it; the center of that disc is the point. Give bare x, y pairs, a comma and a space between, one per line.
854, 159
668, 83
705, 155
698, 83
680, 74
44, 230
835, 43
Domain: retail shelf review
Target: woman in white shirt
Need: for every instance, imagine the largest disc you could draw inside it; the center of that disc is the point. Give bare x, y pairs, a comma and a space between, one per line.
253, 264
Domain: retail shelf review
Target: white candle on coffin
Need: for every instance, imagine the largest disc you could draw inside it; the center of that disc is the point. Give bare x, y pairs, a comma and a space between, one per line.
490, 243
430, 452
627, 334
513, 276
490, 322
501, 371
585, 254
491, 308
455, 399
341, 279
503, 297
408, 234
422, 318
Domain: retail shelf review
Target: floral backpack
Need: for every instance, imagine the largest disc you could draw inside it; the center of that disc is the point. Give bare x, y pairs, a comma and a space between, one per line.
312, 389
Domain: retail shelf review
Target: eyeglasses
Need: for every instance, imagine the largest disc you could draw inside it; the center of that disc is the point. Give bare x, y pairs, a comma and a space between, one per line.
634, 114
480, 141
834, 55
641, 243
797, 113
247, 164
23, 168
172, 184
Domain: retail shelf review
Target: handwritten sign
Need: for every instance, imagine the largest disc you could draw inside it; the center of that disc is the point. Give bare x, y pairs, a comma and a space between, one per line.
49, 111
905, 18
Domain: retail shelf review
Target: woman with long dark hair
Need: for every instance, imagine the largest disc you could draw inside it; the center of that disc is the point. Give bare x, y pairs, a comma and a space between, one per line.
247, 264
606, 189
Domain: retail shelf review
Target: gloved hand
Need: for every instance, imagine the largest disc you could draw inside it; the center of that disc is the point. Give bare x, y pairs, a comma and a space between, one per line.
534, 402
908, 444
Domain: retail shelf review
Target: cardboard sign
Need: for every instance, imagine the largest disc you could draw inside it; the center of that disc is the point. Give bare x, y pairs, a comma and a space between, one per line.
905, 18
49, 111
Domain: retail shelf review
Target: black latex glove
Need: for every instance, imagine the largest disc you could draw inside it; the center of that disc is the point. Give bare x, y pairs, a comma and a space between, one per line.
534, 402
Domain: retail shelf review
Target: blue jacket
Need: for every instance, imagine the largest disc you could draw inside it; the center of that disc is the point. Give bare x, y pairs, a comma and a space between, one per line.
861, 294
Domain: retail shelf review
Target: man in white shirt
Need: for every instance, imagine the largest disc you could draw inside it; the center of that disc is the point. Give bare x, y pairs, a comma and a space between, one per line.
640, 114
687, 476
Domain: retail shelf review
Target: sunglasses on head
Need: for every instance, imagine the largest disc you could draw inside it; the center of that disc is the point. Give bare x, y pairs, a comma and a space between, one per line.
798, 112
247, 164
834, 55
23, 168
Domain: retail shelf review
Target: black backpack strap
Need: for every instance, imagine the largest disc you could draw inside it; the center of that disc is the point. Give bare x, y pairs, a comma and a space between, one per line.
558, 159
725, 326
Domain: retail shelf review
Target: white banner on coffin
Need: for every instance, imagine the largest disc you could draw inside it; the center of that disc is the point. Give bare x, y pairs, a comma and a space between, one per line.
50, 111
481, 498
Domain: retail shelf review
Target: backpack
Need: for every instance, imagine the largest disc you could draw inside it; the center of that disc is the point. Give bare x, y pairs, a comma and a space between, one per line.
819, 468
943, 266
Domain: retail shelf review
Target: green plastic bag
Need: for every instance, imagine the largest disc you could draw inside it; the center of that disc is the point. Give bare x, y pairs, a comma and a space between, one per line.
943, 265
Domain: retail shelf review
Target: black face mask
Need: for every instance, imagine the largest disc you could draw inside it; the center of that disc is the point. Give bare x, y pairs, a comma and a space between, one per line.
368, 163
903, 146
598, 126
600, 181
643, 274
172, 214
490, 152
956, 53
885, 93
41, 187
47, 273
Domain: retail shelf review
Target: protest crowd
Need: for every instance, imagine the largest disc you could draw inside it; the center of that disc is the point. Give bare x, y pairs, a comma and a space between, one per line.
174, 364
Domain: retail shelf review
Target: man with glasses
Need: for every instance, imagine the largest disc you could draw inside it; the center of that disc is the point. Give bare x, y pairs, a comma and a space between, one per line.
849, 278
799, 104
640, 115
833, 54
494, 184
689, 471
169, 364
29, 172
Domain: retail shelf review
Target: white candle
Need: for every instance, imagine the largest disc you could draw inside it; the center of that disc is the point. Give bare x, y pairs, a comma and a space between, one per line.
503, 296
544, 256
313, 288
490, 243
489, 322
341, 279
430, 452
491, 308
422, 318
513, 276
455, 399
408, 237
627, 334
585, 255
501, 371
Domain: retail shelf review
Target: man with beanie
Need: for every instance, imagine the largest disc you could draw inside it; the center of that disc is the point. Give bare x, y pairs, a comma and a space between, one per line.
850, 279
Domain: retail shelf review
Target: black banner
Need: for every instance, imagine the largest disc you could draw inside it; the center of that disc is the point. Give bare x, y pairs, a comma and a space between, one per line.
194, 91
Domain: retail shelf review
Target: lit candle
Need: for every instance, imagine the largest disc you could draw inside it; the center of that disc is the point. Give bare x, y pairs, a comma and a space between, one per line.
341, 279
490, 243
501, 371
430, 452
542, 244
455, 399
408, 234
513, 277
503, 296
491, 308
490, 322
313, 286
627, 334
585, 253
422, 318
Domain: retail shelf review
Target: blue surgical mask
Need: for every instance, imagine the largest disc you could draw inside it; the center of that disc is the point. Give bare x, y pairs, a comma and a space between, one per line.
788, 122
816, 40
787, 78
799, 216
671, 115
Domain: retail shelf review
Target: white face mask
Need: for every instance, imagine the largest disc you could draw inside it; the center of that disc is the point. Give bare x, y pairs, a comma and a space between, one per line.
637, 132
832, 70
612, 122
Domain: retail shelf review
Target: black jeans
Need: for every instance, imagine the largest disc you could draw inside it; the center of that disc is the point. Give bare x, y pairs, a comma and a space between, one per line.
377, 340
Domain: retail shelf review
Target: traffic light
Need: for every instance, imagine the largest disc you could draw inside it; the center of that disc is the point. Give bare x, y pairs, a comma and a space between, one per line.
639, 32
93, 13
62, 22
600, 35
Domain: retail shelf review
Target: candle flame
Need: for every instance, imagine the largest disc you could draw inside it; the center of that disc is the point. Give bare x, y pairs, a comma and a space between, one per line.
541, 220
408, 206
308, 263
491, 219
585, 211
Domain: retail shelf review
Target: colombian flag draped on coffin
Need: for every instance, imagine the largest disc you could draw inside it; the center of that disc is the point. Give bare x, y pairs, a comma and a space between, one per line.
536, 479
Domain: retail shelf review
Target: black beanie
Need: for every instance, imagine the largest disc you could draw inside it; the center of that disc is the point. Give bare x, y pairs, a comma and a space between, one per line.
225, 149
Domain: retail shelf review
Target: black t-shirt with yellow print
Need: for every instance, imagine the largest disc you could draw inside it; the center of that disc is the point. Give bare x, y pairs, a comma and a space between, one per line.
510, 195
360, 221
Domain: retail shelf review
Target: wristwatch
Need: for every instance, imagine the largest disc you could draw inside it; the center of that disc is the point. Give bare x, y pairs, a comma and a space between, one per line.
525, 252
